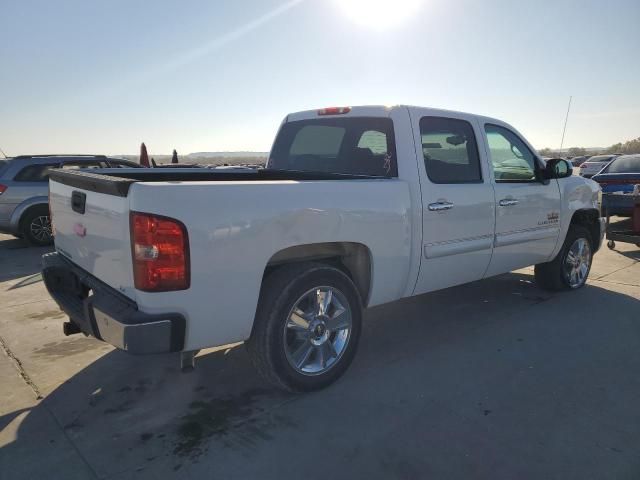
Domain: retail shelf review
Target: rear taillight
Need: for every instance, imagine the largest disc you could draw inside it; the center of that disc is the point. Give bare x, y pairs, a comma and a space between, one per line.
53, 229
3, 188
160, 252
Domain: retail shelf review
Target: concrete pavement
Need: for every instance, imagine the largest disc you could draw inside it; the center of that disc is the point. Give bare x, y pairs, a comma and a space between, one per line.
496, 379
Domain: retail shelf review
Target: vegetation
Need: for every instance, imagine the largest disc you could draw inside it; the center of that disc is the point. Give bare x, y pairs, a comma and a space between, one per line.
632, 146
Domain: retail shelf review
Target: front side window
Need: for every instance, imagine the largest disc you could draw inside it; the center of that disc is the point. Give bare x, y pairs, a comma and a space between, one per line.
511, 159
356, 145
450, 150
34, 173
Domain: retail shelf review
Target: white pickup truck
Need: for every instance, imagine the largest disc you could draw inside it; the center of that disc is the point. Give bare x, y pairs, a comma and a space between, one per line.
356, 207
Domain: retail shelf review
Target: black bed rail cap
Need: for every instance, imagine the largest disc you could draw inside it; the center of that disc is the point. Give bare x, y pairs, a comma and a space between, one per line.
93, 182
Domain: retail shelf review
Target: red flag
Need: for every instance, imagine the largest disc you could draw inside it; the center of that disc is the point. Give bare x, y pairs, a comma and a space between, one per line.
144, 156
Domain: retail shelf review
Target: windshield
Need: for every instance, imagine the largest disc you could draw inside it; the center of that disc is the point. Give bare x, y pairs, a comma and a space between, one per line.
626, 164
357, 145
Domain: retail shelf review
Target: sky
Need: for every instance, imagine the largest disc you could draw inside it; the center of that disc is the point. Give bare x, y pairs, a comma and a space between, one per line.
101, 77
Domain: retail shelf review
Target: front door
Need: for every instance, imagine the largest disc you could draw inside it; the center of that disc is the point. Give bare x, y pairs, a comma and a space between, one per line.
527, 209
457, 202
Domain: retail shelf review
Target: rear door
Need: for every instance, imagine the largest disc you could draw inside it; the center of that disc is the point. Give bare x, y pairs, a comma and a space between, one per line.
527, 210
457, 200
28, 183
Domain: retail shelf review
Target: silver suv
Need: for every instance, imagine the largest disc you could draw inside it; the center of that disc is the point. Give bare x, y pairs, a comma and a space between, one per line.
24, 191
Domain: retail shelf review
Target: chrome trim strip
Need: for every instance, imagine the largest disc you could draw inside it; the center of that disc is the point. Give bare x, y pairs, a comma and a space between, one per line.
526, 235
455, 247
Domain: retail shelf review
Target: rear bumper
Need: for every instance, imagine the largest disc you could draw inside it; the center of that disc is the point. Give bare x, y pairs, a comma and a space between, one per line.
106, 314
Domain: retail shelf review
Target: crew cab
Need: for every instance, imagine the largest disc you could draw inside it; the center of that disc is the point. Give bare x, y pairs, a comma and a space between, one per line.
356, 207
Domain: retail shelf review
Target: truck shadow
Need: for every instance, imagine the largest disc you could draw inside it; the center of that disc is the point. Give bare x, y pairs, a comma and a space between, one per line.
18, 259
461, 354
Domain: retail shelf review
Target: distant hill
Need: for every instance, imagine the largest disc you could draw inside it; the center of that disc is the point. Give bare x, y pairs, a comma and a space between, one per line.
228, 154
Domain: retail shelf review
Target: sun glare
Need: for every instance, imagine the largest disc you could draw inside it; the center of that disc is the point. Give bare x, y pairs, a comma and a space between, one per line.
379, 14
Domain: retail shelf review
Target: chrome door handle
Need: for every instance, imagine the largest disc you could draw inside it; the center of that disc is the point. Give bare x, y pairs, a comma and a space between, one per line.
508, 202
440, 206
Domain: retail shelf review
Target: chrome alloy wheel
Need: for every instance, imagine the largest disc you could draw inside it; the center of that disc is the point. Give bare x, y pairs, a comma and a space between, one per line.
40, 228
318, 330
577, 263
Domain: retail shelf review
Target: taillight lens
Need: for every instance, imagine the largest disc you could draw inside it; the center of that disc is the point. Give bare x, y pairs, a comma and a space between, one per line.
160, 252
2, 188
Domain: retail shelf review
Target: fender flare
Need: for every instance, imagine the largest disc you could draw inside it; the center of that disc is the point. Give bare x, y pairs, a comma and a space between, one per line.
21, 209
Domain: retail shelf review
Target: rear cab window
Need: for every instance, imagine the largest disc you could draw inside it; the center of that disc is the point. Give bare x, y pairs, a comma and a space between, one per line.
78, 165
356, 145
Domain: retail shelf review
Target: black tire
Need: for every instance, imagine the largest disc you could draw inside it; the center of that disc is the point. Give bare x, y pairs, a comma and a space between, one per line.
280, 292
611, 244
34, 218
550, 276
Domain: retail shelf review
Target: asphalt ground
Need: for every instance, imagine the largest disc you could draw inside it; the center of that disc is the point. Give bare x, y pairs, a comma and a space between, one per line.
496, 379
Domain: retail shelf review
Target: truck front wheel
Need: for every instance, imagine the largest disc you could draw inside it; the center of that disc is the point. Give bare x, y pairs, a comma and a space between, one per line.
307, 326
571, 267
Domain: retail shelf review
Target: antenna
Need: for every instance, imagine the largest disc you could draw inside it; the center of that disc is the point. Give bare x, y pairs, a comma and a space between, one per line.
5, 155
565, 123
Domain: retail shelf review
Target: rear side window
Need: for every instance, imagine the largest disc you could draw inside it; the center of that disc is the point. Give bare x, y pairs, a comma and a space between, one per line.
626, 164
357, 146
34, 173
450, 150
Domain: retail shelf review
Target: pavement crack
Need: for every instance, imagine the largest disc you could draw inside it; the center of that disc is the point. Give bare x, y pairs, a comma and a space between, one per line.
21, 371
616, 271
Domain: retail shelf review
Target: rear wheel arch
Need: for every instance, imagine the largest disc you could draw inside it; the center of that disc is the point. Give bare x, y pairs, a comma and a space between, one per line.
37, 207
352, 258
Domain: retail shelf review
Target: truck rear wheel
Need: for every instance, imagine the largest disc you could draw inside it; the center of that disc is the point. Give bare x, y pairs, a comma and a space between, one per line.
571, 267
307, 326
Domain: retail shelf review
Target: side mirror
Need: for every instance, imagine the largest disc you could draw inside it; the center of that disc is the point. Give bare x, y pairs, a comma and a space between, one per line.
558, 168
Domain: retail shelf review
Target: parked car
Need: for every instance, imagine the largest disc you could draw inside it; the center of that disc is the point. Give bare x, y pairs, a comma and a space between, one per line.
621, 175
357, 207
596, 163
24, 190
577, 161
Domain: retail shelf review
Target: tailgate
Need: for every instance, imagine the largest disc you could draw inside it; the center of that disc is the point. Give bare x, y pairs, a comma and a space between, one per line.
92, 230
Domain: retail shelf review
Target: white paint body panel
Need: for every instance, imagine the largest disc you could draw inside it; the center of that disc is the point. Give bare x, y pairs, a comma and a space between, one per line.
233, 235
235, 228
